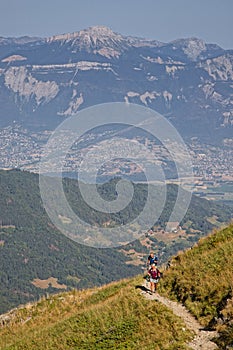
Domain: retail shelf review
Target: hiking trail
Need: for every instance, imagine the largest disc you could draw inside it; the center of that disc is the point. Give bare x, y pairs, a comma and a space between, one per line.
202, 339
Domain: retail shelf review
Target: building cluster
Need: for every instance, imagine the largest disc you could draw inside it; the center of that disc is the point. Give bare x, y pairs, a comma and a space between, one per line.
112, 156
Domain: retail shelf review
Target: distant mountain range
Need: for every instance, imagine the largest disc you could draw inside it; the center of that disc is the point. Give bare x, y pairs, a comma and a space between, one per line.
43, 81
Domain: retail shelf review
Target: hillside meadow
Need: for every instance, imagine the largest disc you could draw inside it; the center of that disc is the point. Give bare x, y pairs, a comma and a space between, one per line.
116, 316
202, 279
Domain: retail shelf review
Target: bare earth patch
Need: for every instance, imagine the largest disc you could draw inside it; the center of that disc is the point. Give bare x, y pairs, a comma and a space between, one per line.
44, 284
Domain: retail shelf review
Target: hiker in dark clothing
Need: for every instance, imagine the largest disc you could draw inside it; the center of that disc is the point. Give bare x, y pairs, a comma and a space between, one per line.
152, 259
154, 274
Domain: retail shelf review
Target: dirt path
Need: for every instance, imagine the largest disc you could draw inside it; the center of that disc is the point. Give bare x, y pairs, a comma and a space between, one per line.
202, 339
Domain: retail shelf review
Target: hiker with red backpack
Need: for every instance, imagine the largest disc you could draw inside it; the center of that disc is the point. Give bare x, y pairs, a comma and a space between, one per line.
154, 275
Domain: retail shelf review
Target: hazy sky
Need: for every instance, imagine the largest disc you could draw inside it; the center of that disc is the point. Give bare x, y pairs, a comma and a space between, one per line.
164, 20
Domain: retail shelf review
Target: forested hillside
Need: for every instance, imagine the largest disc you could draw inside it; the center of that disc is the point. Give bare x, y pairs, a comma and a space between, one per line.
32, 250
36, 259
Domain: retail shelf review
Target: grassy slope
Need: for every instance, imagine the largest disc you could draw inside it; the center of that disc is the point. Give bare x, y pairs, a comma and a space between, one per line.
202, 278
111, 317
116, 316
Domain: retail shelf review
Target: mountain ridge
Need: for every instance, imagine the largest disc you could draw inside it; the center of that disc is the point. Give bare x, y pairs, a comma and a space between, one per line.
103, 36
188, 81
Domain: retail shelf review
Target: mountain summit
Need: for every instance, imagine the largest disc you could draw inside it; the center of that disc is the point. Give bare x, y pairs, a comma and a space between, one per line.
99, 39
90, 35
195, 48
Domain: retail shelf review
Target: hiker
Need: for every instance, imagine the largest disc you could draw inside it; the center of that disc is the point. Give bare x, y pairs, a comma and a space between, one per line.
154, 274
168, 265
152, 259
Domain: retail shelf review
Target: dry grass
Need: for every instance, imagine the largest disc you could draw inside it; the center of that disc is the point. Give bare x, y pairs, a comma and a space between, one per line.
202, 278
115, 316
